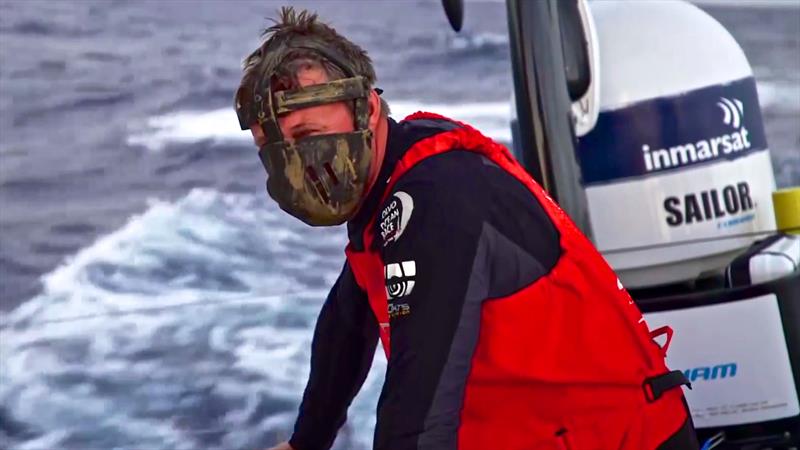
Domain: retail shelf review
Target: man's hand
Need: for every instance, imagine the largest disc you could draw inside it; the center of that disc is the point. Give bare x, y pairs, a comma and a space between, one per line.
282, 446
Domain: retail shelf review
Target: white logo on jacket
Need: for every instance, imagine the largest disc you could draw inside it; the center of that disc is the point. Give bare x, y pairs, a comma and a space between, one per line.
399, 279
395, 217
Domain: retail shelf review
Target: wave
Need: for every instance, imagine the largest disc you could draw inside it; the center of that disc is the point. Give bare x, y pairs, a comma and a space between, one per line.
478, 42
188, 327
38, 27
208, 244
779, 96
219, 125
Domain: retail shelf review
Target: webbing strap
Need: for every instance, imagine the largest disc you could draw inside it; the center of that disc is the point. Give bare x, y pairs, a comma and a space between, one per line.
654, 387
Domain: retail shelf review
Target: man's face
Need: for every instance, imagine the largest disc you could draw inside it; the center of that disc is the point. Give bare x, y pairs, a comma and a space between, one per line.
322, 119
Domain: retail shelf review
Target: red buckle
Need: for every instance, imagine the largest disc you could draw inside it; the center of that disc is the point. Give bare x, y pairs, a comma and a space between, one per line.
660, 331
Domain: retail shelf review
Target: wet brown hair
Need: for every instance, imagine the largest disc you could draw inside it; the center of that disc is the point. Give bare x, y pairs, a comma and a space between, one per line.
291, 23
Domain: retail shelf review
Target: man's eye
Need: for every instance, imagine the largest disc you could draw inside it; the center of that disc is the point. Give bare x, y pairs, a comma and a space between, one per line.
305, 133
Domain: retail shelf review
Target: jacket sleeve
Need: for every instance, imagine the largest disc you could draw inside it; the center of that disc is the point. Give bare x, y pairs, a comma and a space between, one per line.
455, 232
341, 356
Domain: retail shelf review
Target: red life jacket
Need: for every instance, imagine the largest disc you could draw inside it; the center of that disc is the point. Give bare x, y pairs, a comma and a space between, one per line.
560, 364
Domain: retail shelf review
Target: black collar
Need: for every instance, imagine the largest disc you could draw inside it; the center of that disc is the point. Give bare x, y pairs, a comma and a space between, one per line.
394, 151
400, 137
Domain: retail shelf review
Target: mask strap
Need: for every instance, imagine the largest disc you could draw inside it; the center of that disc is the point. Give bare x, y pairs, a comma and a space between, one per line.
320, 94
266, 118
330, 54
362, 109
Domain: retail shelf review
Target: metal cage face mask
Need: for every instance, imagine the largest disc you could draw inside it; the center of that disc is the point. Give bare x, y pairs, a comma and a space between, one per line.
319, 179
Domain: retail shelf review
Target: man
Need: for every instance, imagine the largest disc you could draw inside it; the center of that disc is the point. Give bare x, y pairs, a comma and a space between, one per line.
502, 325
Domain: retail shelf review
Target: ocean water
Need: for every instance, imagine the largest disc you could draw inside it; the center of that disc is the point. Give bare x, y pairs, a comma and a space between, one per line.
151, 295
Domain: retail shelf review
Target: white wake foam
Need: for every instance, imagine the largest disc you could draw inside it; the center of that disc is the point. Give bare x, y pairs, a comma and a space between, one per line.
211, 299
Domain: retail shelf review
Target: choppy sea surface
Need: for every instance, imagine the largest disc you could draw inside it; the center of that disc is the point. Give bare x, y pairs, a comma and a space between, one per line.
151, 295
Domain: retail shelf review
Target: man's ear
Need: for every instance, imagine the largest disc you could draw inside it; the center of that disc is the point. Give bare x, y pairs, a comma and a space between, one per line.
374, 109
